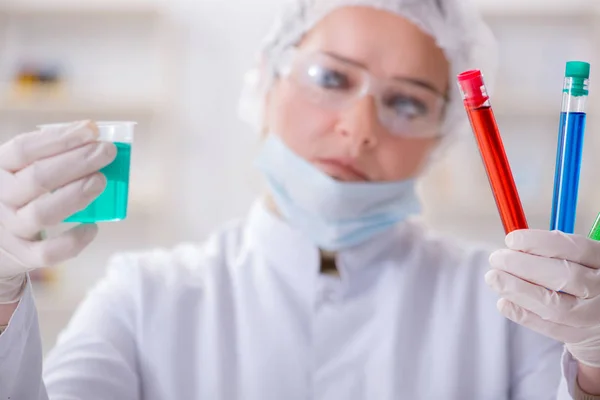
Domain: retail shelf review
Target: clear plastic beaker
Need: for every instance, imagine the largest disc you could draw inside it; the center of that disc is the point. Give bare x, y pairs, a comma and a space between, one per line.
111, 205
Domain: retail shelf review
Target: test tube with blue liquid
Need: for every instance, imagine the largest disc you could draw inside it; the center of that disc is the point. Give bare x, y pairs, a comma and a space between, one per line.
570, 146
112, 204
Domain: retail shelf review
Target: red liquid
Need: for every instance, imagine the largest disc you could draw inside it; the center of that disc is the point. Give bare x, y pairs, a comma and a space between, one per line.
497, 167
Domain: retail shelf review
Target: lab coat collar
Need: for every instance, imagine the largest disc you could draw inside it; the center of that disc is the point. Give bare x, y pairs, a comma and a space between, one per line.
393, 245
285, 246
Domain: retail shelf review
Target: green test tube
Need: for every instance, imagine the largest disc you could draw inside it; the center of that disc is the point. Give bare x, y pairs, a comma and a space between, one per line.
595, 232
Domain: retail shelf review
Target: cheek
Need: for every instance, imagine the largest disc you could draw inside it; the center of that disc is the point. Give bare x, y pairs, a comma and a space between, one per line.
404, 158
297, 121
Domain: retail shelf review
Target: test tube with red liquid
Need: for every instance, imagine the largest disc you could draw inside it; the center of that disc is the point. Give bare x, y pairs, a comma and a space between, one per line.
491, 148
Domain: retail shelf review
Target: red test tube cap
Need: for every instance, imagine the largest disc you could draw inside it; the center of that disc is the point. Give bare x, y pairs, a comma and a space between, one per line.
472, 87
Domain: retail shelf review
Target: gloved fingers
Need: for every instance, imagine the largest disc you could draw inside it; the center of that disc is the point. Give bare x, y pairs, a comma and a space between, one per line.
530, 320
9, 265
25, 149
586, 351
44, 253
552, 306
11, 289
9, 220
52, 208
552, 273
8, 183
556, 244
49, 174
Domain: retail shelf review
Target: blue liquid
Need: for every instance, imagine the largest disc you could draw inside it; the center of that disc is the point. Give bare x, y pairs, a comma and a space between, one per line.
111, 205
568, 168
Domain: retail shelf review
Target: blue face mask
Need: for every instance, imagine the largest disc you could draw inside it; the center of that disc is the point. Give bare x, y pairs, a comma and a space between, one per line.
333, 214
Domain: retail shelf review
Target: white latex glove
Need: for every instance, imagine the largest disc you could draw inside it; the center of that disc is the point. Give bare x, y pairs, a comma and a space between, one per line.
46, 176
531, 272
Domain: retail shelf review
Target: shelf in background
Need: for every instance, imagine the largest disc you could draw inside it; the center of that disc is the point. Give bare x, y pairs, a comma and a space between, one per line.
504, 108
514, 103
559, 8
520, 104
78, 7
73, 106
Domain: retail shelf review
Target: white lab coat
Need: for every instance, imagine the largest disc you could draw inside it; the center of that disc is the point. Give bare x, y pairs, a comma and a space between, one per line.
248, 316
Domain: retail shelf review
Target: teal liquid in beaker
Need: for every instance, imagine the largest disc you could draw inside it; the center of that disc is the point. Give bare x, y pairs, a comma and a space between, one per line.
111, 205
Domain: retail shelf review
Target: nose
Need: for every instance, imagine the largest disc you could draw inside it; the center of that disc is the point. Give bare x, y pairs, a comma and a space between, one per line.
359, 124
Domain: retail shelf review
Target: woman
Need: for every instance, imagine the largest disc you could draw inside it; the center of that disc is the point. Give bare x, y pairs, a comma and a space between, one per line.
327, 290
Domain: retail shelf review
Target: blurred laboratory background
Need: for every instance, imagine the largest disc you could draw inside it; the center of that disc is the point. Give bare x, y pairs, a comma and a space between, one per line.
176, 67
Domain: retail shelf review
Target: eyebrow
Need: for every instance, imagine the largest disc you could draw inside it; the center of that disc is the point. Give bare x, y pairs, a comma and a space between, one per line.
416, 81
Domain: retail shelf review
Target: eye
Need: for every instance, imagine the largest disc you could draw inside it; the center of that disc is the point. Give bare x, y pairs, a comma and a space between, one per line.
407, 107
328, 78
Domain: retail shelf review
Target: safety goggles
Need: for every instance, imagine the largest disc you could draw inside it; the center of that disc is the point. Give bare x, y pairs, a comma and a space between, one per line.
406, 107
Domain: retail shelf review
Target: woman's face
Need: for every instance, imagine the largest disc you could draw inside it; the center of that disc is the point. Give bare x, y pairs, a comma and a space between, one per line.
350, 142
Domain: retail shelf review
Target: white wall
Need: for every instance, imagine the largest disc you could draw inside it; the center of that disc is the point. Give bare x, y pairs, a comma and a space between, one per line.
216, 148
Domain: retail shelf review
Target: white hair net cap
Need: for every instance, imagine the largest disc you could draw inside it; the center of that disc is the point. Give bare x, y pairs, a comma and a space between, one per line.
456, 26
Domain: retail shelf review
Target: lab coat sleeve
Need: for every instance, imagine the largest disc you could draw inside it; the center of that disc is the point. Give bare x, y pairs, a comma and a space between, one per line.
568, 382
21, 354
96, 357
535, 365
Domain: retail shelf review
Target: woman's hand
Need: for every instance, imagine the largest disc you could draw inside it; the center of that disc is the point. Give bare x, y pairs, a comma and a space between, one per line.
45, 176
550, 282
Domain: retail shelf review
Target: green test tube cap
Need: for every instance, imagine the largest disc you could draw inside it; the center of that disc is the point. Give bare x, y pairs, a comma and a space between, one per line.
579, 71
